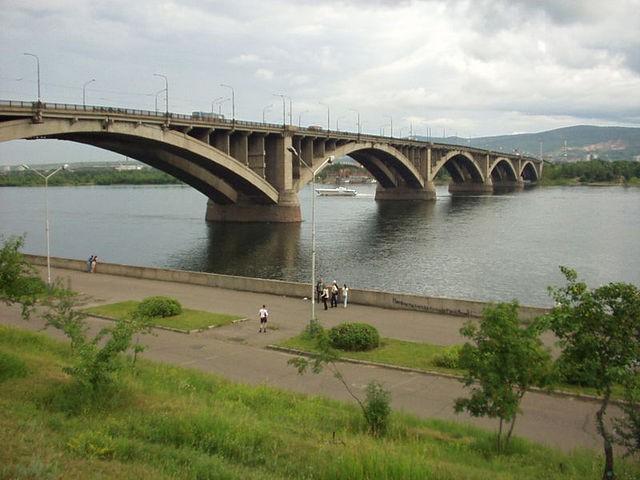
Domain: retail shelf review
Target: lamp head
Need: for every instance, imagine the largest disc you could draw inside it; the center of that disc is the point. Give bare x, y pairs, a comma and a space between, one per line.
293, 150
65, 166
26, 167
330, 159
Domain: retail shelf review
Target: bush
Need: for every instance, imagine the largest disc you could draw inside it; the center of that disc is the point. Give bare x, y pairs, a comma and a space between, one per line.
377, 408
354, 337
153, 307
11, 366
449, 358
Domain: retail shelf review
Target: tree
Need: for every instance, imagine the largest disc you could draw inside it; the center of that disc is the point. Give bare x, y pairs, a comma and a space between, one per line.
599, 333
503, 361
97, 357
375, 408
627, 429
19, 282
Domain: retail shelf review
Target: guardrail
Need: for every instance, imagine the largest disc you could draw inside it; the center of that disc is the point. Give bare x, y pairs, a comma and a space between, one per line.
201, 120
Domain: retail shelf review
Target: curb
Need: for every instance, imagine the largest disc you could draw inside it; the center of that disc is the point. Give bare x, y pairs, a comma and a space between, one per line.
554, 393
171, 329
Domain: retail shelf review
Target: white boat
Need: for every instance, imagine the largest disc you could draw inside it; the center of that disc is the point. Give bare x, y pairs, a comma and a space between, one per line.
336, 192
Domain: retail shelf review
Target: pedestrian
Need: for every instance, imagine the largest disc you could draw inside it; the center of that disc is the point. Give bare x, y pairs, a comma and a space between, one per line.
94, 262
345, 294
89, 262
264, 315
334, 294
325, 296
319, 287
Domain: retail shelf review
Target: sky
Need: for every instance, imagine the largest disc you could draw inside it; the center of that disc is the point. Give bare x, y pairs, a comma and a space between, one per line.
466, 68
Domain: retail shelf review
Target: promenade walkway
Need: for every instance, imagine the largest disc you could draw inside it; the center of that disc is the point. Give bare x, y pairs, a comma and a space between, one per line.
238, 353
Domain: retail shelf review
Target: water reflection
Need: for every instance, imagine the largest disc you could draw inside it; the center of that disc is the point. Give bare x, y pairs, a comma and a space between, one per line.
270, 251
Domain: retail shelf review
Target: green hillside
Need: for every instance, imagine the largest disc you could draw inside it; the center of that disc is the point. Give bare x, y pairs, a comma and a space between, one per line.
607, 143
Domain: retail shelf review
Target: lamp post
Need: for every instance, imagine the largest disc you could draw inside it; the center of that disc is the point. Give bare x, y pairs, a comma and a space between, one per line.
328, 116
166, 91
390, 123
38, 68
300, 117
46, 209
284, 108
84, 91
358, 118
264, 112
338, 123
233, 101
328, 160
219, 101
156, 95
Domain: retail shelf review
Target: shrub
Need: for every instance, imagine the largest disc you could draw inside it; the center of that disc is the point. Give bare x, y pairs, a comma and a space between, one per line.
449, 357
354, 336
377, 408
11, 366
153, 307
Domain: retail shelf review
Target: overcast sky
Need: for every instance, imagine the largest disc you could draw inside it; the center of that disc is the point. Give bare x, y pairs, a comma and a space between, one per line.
475, 68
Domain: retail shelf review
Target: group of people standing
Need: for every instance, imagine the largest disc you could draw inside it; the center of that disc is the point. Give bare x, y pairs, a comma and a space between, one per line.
92, 261
332, 293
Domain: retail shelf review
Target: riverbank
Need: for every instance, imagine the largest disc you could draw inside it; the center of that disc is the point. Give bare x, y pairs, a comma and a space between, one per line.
240, 354
373, 298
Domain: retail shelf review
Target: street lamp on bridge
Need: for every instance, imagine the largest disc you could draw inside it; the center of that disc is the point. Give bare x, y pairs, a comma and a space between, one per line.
84, 91
233, 101
338, 122
328, 160
284, 107
156, 99
166, 91
357, 118
46, 209
300, 117
390, 123
38, 69
264, 112
328, 116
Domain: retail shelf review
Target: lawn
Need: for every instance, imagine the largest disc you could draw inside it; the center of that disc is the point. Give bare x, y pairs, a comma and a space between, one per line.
420, 356
188, 320
162, 422
390, 351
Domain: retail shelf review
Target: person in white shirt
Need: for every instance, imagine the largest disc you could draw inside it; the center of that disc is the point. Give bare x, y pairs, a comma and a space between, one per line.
345, 294
264, 315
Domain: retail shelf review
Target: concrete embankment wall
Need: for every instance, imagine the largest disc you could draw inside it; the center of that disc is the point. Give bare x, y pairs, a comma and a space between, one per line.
401, 301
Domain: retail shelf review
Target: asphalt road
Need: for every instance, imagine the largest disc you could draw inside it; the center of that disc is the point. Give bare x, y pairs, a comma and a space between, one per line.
238, 352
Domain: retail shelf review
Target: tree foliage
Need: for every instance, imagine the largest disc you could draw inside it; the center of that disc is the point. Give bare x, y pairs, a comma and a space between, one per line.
376, 406
97, 357
598, 331
503, 360
19, 282
593, 171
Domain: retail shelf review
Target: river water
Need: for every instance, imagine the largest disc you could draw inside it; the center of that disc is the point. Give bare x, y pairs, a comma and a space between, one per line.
498, 247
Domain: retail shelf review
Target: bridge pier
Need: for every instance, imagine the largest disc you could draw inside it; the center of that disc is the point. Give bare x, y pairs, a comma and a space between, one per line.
286, 211
508, 186
470, 188
405, 193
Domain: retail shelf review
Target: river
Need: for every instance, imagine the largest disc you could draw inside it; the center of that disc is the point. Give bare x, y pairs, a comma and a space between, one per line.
498, 247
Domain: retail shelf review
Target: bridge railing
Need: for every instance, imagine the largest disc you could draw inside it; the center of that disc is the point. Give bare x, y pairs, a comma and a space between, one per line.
205, 121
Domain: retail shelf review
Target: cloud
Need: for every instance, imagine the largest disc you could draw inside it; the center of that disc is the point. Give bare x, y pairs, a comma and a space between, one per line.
488, 66
263, 74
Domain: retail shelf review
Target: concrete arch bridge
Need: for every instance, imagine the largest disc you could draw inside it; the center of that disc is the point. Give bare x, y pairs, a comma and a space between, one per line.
246, 169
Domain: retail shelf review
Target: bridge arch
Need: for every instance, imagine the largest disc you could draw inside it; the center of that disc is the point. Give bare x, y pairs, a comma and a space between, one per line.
207, 169
462, 167
387, 164
528, 172
502, 170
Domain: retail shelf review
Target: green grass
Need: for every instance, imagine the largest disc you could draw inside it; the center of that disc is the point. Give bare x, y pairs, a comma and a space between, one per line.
186, 321
417, 355
390, 351
167, 422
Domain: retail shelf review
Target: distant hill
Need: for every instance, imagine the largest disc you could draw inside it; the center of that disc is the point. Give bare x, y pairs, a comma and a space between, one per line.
583, 142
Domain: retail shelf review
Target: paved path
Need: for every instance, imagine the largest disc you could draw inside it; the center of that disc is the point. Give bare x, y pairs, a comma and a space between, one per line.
237, 352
